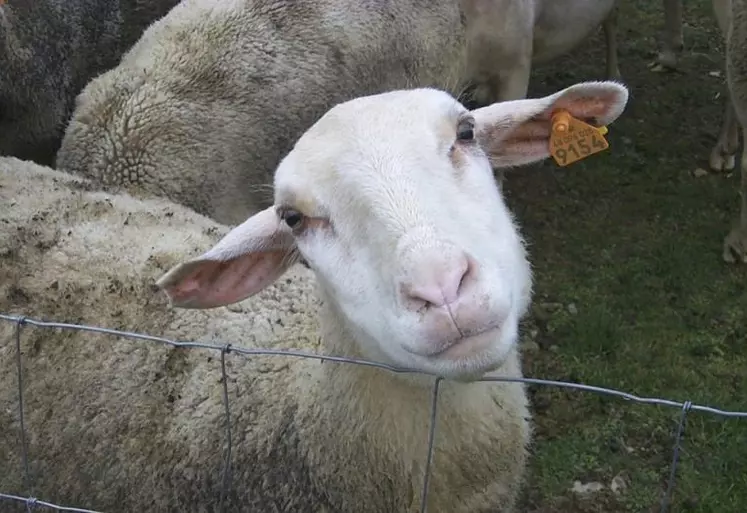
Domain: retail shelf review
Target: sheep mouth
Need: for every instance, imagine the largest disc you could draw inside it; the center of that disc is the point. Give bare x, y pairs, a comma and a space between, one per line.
468, 344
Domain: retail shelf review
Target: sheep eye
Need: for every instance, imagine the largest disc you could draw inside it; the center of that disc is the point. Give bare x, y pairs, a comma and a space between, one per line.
292, 218
466, 130
466, 134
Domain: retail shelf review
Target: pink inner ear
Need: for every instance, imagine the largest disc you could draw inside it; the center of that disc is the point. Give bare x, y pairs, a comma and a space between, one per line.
535, 129
217, 283
525, 142
585, 108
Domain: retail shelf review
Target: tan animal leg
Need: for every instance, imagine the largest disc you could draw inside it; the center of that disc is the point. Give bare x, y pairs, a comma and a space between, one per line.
673, 39
510, 83
515, 82
610, 37
735, 244
732, 18
723, 154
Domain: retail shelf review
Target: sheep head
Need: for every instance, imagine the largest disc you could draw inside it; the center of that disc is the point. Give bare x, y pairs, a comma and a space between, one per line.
392, 202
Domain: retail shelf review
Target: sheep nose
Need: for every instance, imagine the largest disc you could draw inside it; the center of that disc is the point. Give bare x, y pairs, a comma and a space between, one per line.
438, 282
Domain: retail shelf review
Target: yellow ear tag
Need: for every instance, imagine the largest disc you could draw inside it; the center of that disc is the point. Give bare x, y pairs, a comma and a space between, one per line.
572, 140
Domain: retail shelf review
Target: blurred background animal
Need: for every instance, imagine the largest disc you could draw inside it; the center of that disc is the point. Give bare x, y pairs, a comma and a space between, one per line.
49, 50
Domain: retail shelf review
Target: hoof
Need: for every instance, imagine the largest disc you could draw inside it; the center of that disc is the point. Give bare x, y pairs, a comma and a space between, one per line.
666, 61
719, 161
735, 246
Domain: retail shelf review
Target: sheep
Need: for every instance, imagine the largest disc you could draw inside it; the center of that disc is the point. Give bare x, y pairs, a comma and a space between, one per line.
49, 50
212, 96
732, 20
390, 202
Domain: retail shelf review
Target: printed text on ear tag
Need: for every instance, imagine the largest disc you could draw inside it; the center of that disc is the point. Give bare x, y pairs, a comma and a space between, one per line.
571, 139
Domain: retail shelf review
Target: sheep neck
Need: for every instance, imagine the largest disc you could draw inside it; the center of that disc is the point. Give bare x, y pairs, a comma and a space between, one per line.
380, 421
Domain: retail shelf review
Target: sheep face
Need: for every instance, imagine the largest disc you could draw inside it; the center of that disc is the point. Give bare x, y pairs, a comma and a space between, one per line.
390, 199
395, 207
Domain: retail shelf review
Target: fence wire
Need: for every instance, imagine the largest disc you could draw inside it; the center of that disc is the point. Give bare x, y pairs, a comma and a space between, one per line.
32, 503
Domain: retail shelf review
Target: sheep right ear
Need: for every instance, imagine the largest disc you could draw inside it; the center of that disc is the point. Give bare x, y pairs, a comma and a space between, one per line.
249, 258
514, 133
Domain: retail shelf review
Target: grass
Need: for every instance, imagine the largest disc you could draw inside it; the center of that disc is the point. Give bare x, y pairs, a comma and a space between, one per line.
633, 240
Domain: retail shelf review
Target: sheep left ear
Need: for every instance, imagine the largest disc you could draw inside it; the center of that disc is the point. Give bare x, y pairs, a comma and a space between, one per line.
249, 258
517, 132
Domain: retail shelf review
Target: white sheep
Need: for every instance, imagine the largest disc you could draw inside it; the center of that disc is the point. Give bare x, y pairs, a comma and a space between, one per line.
49, 50
214, 94
415, 261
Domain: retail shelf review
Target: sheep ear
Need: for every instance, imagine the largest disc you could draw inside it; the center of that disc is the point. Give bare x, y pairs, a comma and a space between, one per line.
517, 132
246, 260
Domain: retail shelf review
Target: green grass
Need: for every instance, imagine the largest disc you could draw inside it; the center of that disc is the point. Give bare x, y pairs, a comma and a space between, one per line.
633, 240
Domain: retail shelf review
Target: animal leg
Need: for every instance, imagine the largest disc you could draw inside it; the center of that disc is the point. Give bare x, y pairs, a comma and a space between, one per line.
673, 39
735, 244
723, 154
610, 36
515, 81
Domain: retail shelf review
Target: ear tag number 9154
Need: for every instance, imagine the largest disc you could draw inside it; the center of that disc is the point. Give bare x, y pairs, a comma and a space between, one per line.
572, 140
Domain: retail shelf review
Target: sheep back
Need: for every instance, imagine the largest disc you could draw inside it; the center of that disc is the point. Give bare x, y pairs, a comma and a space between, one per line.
214, 94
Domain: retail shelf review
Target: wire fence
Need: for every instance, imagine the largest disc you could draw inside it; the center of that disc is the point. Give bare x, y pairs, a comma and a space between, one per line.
32, 503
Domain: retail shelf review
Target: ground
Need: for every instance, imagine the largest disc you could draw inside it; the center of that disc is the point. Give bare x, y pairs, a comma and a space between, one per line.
631, 291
